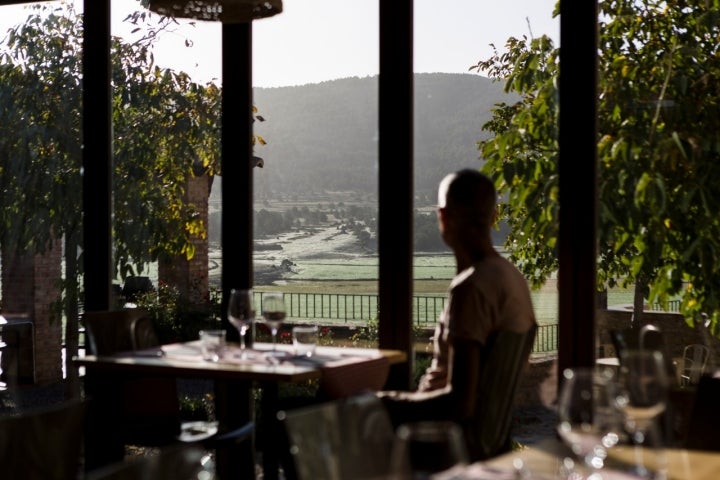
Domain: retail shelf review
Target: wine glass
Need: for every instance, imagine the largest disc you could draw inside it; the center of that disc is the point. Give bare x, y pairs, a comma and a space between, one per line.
241, 314
423, 449
588, 421
641, 397
274, 314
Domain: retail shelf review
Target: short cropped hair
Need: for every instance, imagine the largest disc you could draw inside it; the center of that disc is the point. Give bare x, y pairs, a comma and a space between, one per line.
469, 195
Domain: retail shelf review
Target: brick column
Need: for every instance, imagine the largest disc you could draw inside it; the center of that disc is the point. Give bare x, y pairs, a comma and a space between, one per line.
30, 287
191, 276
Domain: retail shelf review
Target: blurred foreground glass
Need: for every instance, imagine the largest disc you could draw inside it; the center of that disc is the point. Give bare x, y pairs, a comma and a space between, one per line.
642, 398
305, 339
212, 344
589, 423
422, 449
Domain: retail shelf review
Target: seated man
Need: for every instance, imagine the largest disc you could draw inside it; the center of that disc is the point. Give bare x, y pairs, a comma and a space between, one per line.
487, 295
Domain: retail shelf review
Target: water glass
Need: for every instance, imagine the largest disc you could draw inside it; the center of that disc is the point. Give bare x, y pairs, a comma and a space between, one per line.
212, 344
305, 339
423, 449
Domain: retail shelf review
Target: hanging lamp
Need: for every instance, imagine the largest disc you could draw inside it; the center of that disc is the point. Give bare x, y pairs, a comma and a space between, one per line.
226, 11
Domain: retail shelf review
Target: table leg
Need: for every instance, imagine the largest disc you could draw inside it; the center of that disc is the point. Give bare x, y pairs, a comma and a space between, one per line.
233, 409
103, 441
270, 425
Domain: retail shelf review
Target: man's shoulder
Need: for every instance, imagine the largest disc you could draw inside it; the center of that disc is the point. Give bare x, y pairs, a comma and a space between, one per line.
496, 268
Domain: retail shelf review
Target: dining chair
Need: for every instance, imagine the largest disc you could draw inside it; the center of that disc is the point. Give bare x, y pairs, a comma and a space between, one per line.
505, 357
344, 439
645, 337
43, 443
149, 404
694, 362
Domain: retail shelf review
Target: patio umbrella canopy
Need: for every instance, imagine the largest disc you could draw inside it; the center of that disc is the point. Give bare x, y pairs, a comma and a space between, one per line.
226, 11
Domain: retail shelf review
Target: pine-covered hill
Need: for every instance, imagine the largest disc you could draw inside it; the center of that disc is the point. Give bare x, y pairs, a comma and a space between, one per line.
322, 138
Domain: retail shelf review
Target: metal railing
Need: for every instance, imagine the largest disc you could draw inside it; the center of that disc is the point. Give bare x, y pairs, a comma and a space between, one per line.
352, 308
358, 309
361, 308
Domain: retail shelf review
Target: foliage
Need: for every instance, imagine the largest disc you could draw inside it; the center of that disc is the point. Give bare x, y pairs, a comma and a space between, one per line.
658, 149
197, 408
40, 132
421, 364
367, 333
175, 319
166, 131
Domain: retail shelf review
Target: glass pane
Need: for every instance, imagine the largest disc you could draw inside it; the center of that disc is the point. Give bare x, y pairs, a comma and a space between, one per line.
315, 77
166, 126
454, 102
41, 185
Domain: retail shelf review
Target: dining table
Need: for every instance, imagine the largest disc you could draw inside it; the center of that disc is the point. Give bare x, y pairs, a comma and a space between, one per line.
340, 371
550, 459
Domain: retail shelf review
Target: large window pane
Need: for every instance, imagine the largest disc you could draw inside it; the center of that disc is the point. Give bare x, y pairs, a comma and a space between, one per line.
315, 79
451, 111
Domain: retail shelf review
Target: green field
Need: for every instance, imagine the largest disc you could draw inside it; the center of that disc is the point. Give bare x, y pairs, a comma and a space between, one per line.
432, 275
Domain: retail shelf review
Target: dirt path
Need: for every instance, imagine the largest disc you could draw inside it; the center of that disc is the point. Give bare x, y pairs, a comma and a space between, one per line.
274, 257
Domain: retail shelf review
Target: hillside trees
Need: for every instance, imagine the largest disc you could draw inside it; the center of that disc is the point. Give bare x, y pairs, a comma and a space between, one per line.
658, 150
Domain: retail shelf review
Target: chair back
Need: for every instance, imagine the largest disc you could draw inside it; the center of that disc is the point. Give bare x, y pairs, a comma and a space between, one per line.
110, 332
150, 403
695, 358
43, 443
504, 360
647, 337
345, 439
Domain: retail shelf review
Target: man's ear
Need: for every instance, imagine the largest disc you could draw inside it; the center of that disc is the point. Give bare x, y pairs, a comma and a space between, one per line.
442, 214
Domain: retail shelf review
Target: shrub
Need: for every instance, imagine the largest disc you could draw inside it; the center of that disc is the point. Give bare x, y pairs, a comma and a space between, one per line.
176, 320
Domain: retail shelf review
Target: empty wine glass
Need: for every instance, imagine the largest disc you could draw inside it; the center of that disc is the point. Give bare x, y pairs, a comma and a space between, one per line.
587, 415
423, 449
641, 397
241, 313
274, 314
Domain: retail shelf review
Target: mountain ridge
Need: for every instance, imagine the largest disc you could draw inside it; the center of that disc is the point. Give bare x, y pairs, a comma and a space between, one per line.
323, 137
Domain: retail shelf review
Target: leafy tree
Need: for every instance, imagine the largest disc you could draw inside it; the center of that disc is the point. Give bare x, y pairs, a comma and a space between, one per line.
166, 131
40, 146
658, 149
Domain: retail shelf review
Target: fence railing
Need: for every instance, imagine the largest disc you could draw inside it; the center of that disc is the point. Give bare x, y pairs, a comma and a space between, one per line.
352, 308
361, 308
426, 309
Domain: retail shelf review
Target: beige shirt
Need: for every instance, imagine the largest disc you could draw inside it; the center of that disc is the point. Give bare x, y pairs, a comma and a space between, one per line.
489, 296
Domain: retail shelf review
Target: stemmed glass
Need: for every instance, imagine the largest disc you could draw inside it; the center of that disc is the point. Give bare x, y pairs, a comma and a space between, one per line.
241, 314
274, 314
641, 397
588, 422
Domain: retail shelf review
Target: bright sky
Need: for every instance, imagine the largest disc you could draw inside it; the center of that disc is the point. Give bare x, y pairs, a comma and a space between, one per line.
317, 40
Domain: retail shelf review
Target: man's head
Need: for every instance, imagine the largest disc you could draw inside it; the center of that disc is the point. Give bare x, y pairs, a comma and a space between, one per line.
469, 198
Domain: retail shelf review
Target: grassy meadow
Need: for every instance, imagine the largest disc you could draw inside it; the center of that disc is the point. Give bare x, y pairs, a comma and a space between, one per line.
432, 273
